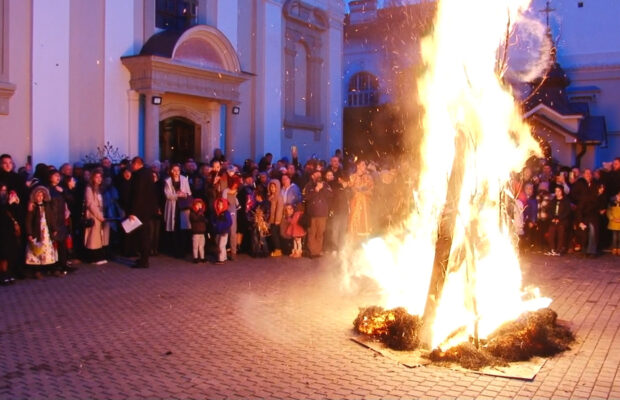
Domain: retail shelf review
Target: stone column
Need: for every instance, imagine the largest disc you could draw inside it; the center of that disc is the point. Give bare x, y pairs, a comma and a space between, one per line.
151, 127
211, 136
231, 130
133, 123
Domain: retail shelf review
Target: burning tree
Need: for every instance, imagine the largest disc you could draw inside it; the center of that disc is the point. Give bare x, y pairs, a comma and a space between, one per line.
466, 281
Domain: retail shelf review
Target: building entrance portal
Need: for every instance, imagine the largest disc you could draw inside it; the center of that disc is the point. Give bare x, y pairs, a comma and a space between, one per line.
179, 139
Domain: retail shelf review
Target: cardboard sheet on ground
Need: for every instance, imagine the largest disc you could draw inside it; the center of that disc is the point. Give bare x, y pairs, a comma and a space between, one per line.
526, 370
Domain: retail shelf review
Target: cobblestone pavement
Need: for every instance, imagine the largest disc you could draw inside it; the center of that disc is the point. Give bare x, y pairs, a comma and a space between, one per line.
270, 328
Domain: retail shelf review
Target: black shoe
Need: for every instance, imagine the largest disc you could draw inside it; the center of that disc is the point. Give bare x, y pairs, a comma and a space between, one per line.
195, 261
139, 266
202, 260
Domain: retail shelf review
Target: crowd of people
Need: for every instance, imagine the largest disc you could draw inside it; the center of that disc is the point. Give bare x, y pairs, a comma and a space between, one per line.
568, 210
209, 212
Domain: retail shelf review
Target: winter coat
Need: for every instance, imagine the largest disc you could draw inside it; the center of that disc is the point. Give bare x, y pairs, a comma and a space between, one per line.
221, 220
317, 202
198, 221
291, 194
293, 227
277, 203
171, 204
613, 213
97, 235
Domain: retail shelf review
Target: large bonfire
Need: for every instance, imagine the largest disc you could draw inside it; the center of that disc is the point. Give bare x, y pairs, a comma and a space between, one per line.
456, 267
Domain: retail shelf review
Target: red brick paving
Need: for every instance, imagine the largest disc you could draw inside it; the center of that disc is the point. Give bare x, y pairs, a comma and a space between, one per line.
271, 328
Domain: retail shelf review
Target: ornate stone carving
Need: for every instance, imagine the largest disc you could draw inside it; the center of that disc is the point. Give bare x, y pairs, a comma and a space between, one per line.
306, 14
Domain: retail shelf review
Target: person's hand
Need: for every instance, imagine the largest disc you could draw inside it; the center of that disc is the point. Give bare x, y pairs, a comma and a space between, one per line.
71, 184
319, 186
582, 226
31, 239
58, 188
132, 218
13, 198
181, 194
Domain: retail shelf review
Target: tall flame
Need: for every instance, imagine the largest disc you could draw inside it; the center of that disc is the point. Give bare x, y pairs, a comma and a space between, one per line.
471, 117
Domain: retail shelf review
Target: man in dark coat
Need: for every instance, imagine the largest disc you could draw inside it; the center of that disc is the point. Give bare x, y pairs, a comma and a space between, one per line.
143, 205
317, 195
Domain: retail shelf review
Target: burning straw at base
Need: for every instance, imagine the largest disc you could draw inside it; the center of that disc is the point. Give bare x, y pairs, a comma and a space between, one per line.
532, 334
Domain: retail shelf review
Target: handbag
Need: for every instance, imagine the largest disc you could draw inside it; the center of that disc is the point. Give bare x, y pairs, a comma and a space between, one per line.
86, 222
185, 203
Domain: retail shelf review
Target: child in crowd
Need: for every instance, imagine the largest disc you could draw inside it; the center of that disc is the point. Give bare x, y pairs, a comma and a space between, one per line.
221, 221
294, 229
199, 228
613, 213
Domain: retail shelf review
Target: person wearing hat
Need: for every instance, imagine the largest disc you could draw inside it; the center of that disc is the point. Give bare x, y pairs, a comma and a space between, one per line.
40, 229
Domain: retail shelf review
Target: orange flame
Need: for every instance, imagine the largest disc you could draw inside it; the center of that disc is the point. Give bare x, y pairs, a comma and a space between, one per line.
462, 94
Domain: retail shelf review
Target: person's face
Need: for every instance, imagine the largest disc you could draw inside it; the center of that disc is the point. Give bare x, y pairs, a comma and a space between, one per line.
7, 164
272, 188
86, 176
290, 170
175, 172
217, 166
106, 163
263, 178
329, 176
618, 198
286, 180
289, 210
529, 190
576, 172
587, 175
136, 166
67, 170
527, 174
127, 174
334, 162
615, 165
97, 179
55, 179
39, 196
546, 170
559, 193
155, 177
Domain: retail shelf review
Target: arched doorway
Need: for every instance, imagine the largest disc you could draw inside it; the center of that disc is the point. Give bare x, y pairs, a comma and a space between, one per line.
179, 139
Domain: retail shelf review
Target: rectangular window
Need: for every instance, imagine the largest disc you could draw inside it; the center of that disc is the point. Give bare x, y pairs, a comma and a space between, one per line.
176, 14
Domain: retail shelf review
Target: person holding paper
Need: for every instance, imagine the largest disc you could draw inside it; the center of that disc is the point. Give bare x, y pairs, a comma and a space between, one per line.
143, 205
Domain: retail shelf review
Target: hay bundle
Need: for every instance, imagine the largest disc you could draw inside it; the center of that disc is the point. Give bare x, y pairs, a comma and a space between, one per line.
396, 328
467, 356
532, 334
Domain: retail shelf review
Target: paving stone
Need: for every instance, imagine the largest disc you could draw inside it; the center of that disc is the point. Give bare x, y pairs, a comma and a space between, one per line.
263, 328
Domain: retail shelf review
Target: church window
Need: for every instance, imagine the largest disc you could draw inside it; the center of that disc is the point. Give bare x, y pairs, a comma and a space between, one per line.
363, 90
176, 14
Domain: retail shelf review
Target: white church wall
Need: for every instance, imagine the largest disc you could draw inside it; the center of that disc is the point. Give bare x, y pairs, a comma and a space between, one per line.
333, 84
119, 31
86, 83
15, 128
270, 102
50, 81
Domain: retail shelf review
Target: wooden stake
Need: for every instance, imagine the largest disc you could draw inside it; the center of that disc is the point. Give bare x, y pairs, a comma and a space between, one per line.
444, 240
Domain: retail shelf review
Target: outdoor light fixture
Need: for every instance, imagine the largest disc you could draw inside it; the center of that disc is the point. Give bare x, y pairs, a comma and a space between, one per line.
235, 110
156, 100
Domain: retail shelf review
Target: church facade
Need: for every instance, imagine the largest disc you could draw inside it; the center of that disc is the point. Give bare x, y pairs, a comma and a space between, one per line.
170, 79
577, 117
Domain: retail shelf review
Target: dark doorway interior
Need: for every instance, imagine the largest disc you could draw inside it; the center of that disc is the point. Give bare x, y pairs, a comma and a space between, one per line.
179, 139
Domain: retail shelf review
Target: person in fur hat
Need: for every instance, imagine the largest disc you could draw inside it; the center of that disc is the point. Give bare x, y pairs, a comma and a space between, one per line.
40, 229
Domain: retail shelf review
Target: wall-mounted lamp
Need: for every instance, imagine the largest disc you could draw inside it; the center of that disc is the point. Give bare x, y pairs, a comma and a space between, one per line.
236, 110
156, 100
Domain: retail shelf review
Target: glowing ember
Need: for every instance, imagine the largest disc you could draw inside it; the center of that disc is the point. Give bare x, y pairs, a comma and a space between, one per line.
474, 136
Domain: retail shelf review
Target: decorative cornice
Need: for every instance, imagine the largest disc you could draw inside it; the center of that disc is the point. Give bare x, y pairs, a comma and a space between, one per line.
7, 90
153, 73
306, 14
